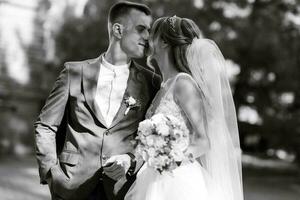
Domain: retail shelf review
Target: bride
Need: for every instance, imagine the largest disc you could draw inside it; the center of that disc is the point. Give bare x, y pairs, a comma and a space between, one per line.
196, 90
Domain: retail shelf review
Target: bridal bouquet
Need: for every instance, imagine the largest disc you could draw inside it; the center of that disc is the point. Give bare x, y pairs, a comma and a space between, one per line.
161, 141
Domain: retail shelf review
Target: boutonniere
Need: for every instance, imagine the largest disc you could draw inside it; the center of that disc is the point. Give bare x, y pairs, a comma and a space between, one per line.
131, 103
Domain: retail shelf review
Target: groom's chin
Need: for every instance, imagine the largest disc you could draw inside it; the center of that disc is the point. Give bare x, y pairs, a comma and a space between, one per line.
140, 55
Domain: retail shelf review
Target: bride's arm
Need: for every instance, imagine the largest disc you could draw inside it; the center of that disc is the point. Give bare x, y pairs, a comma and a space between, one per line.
188, 96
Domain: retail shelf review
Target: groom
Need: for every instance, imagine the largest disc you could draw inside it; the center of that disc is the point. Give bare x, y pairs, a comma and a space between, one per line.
94, 110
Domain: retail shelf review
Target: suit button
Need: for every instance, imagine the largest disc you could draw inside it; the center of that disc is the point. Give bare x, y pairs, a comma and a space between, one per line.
106, 132
104, 158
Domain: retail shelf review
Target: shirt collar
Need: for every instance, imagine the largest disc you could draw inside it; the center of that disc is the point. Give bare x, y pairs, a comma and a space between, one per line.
115, 68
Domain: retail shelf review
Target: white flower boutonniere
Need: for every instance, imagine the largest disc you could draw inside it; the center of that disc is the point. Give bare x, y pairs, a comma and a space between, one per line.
131, 103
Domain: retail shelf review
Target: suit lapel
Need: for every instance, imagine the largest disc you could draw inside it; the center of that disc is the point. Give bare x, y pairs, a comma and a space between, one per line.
90, 80
130, 91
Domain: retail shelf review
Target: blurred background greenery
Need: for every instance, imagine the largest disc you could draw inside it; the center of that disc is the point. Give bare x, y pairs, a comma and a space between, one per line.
260, 40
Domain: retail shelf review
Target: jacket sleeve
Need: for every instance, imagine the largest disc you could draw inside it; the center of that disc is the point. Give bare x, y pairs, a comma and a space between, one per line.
48, 122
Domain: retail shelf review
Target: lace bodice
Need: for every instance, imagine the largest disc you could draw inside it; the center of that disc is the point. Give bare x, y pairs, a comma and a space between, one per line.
165, 103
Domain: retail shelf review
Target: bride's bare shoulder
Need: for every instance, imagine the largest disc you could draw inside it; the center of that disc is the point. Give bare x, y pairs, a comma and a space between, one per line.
185, 87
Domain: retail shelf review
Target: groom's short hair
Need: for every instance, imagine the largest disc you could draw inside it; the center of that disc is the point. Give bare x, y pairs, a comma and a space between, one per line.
120, 9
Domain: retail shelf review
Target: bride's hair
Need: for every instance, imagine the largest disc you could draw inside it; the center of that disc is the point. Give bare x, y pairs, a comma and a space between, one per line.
179, 33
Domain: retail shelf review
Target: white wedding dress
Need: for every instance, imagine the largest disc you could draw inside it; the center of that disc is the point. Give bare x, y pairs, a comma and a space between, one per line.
189, 181
205, 104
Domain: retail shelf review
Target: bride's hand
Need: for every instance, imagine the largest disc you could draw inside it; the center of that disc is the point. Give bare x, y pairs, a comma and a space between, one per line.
189, 158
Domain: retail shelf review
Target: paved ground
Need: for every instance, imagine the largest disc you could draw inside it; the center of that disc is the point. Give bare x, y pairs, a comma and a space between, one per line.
19, 181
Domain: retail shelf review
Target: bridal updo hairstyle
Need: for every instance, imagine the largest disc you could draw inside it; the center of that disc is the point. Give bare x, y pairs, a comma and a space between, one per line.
179, 33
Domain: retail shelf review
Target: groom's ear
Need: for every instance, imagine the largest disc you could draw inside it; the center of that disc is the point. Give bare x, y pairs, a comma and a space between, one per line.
117, 30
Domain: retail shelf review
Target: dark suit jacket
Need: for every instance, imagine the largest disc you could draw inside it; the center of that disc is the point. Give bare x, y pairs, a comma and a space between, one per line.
74, 172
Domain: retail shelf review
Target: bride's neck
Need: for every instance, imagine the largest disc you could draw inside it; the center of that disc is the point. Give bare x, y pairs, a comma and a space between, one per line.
167, 68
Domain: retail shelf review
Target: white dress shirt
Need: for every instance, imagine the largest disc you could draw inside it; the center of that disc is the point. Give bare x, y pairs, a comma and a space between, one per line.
111, 86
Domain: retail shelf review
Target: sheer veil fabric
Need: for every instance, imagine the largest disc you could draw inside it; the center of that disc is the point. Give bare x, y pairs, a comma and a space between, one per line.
223, 161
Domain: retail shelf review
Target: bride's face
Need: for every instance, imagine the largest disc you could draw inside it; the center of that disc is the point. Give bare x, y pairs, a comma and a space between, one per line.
158, 49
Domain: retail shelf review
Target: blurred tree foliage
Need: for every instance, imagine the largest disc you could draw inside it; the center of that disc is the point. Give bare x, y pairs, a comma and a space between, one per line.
259, 35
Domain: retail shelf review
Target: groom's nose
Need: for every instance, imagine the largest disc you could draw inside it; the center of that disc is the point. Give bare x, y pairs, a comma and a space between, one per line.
146, 35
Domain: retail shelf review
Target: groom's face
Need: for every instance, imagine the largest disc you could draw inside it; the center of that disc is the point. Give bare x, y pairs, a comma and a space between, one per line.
134, 41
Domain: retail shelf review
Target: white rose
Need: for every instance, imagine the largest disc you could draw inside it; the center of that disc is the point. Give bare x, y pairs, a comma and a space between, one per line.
163, 129
180, 144
164, 160
177, 155
145, 127
151, 152
160, 142
154, 162
158, 118
150, 140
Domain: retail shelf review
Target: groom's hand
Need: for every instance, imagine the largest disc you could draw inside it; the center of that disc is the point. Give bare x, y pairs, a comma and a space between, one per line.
117, 166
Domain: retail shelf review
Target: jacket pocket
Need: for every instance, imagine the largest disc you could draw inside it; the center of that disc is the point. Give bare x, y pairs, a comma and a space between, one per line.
60, 183
69, 157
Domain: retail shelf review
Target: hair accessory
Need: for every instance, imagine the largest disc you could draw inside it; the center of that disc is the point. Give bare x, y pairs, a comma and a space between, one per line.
171, 21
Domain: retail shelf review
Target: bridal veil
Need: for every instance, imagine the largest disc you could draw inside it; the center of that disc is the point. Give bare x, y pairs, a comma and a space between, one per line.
223, 161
